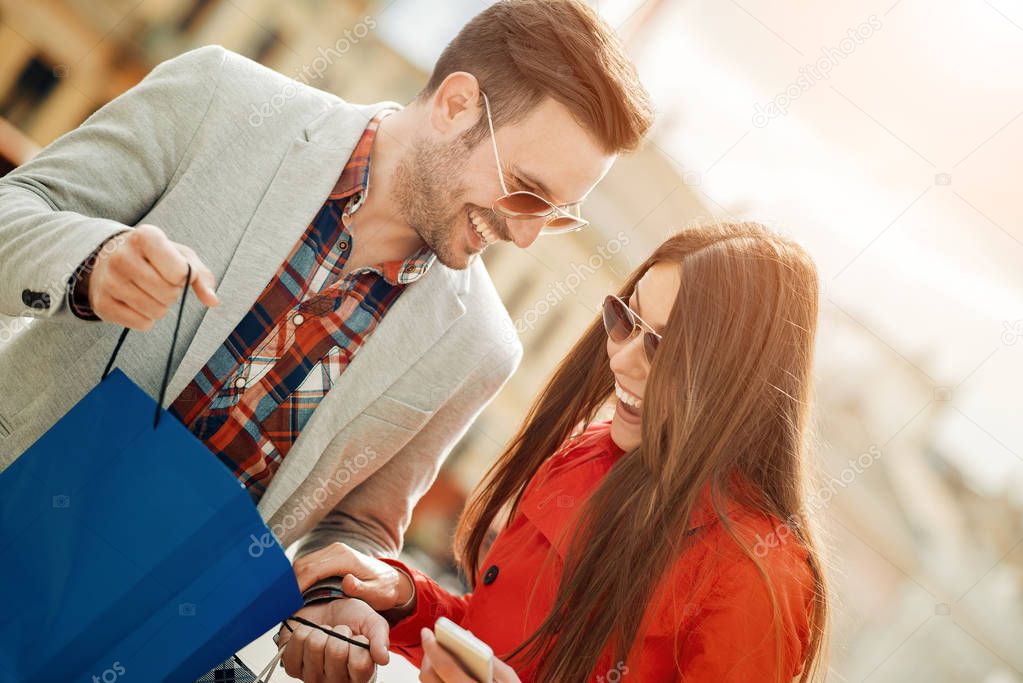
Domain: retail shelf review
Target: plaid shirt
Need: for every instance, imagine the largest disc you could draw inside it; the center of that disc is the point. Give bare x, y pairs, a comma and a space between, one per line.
256, 392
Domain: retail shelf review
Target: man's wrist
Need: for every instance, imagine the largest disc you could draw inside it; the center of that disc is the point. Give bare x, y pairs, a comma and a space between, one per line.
78, 287
324, 590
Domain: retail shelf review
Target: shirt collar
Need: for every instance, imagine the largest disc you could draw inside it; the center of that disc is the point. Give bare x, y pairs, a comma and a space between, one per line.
409, 270
353, 184
354, 177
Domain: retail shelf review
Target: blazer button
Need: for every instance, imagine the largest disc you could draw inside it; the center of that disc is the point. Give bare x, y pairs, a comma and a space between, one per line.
491, 575
35, 299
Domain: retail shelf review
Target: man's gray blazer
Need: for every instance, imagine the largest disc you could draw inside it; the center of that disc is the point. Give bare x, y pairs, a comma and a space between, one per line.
234, 159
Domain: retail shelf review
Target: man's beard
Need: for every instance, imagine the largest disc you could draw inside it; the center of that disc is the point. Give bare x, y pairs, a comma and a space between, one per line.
429, 192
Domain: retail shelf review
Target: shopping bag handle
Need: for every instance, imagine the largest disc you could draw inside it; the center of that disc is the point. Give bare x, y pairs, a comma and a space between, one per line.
170, 356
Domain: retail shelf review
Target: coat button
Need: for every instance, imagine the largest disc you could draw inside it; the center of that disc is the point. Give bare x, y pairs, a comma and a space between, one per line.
491, 575
35, 299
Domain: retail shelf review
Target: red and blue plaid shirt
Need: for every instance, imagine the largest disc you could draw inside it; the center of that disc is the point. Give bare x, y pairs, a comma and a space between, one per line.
249, 403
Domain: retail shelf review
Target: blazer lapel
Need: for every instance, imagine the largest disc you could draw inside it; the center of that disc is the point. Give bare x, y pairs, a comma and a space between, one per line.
414, 323
303, 180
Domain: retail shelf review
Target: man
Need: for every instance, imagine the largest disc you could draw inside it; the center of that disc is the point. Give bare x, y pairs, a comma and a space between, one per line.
354, 334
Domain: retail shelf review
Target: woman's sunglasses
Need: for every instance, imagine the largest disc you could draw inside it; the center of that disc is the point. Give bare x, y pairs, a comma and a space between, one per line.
525, 205
621, 323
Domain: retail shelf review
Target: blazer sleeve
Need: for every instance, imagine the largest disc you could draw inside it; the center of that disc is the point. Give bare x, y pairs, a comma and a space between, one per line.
98, 180
373, 517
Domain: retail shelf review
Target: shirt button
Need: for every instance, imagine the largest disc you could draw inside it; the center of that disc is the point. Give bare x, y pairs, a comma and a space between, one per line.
342, 246
491, 575
298, 319
240, 382
410, 269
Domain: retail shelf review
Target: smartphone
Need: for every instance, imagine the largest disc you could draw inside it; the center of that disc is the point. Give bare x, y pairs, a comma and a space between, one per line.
473, 654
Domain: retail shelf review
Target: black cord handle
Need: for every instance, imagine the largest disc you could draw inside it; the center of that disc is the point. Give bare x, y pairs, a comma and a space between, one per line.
170, 356
329, 632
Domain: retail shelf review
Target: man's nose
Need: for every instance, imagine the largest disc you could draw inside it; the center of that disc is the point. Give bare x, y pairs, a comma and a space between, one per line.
525, 231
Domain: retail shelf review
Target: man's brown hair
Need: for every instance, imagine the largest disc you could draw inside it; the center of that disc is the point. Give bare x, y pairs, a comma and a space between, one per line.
521, 51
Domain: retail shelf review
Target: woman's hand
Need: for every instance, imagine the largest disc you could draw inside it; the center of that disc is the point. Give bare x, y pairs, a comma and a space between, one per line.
379, 584
440, 667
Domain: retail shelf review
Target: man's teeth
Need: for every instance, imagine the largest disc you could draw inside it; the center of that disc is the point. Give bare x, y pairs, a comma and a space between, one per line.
628, 399
482, 229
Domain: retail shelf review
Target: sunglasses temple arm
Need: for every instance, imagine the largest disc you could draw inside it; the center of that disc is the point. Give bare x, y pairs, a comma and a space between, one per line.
493, 143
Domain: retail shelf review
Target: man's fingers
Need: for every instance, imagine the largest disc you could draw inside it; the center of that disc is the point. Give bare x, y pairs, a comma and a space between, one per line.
171, 260
360, 663
143, 304
142, 273
202, 281
336, 656
313, 656
163, 254
122, 314
379, 635
293, 654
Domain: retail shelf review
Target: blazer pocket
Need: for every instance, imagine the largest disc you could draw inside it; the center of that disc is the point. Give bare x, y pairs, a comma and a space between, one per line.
398, 413
6, 427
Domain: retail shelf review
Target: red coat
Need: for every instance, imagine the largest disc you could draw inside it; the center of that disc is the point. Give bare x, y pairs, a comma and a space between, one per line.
711, 616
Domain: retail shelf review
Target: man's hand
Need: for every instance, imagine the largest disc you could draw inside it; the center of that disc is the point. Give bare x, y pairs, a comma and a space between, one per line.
139, 274
315, 657
366, 578
440, 667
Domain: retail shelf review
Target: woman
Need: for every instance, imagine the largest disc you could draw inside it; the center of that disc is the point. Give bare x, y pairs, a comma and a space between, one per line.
666, 543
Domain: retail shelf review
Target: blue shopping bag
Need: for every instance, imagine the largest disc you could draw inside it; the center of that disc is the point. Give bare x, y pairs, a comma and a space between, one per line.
126, 548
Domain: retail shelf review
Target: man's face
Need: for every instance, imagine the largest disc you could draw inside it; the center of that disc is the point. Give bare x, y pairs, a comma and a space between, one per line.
445, 189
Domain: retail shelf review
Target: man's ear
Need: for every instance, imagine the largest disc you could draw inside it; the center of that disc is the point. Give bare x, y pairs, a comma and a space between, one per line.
454, 107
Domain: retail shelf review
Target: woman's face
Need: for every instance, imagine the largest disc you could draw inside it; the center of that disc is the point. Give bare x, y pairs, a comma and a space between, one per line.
652, 300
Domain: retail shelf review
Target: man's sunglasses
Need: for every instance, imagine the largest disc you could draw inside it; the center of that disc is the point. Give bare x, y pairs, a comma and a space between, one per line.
621, 323
523, 205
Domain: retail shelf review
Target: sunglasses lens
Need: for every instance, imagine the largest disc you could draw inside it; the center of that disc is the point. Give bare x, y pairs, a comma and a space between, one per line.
519, 204
650, 342
617, 321
562, 224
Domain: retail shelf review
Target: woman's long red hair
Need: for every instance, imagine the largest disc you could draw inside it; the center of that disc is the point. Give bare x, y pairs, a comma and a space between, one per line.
728, 393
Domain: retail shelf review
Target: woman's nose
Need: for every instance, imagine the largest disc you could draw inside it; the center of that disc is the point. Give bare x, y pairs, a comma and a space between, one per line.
628, 358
